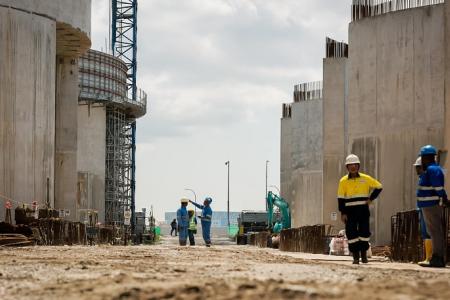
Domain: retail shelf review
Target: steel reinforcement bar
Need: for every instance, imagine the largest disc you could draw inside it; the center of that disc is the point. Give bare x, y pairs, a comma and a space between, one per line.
309, 239
370, 8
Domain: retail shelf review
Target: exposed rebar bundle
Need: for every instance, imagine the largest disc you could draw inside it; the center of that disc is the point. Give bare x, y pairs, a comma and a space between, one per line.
309, 239
308, 91
335, 49
287, 110
370, 8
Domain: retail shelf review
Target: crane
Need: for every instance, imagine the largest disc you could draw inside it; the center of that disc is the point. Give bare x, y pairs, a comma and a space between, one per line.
124, 46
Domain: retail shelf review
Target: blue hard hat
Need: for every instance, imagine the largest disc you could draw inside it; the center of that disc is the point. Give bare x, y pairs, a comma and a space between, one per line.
209, 199
428, 150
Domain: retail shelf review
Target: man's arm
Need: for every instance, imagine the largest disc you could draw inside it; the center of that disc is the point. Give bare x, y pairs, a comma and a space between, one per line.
376, 187
196, 205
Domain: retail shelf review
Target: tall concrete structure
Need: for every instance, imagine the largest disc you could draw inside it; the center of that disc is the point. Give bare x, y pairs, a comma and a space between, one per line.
335, 129
40, 44
301, 172
383, 102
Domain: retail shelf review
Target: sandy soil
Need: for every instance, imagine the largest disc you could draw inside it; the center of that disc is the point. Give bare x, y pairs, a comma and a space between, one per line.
167, 271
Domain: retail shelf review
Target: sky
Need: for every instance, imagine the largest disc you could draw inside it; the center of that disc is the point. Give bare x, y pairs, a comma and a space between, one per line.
216, 73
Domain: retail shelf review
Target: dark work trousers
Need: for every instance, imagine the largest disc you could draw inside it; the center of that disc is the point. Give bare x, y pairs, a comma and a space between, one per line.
191, 237
172, 231
357, 228
435, 227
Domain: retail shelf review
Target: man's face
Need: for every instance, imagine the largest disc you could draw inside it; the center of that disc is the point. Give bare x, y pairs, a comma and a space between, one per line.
205, 203
353, 168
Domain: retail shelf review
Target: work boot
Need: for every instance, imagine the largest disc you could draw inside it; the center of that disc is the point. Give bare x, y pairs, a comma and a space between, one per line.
437, 262
428, 253
356, 258
364, 257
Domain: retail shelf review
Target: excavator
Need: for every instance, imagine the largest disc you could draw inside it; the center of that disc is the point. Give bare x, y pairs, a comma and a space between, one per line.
285, 222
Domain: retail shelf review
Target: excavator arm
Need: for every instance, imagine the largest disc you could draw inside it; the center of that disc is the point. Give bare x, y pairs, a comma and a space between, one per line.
274, 200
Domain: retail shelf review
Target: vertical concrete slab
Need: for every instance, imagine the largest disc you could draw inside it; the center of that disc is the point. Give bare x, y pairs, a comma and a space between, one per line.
398, 104
301, 162
91, 157
27, 107
447, 91
334, 135
66, 126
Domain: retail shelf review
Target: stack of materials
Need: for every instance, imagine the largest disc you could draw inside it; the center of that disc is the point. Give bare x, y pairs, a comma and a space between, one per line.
14, 240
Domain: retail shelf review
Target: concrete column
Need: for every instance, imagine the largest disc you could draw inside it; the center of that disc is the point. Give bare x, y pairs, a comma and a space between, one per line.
66, 135
446, 161
27, 107
334, 135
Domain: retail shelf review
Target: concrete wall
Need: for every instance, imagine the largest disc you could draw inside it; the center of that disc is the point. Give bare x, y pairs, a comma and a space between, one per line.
334, 135
27, 106
66, 126
301, 168
396, 101
91, 157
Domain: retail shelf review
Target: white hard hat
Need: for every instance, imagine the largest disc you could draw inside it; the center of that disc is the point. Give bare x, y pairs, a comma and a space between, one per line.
418, 162
352, 159
184, 200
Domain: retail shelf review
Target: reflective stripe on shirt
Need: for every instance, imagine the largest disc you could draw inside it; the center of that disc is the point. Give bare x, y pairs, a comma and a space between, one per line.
355, 203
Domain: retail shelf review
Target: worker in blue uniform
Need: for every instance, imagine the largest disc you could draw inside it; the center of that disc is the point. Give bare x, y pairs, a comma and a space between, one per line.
431, 196
206, 218
355, 192
183, 222
427, 245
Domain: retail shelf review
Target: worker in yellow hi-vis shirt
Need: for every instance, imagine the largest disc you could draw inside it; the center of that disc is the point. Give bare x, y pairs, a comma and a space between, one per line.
356, 191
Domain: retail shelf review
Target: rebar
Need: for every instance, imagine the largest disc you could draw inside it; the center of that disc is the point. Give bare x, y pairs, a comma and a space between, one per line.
287, 110
370, 8
406, 244
308, 91
309, 239
335, 49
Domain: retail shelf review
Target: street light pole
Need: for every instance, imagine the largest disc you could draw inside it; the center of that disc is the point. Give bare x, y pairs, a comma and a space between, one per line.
228, 195
195, 198
265, 197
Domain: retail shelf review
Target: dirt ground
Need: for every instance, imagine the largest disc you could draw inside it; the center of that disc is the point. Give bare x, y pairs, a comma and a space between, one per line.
167, 271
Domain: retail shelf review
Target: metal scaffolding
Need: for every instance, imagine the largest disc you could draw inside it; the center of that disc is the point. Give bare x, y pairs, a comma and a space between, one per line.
118, 165
124, 46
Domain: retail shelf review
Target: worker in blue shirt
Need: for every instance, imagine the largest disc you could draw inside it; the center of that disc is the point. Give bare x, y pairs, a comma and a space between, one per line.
206, 219
430, 196
427, 245
183, 222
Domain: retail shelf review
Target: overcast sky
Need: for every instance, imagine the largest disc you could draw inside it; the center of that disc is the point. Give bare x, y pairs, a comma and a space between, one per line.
216, 73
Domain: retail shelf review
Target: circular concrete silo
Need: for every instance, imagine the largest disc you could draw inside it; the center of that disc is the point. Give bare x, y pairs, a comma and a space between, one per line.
40, 40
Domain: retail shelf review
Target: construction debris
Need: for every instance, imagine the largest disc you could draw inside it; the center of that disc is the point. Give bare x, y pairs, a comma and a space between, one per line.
15, 240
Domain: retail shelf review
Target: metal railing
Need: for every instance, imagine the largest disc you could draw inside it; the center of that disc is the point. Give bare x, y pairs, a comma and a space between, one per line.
370, 8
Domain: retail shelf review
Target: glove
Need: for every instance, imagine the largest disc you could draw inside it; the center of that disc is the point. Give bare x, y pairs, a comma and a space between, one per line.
445, 202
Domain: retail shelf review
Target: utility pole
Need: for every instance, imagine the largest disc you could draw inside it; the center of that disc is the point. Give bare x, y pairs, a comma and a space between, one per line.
228, 195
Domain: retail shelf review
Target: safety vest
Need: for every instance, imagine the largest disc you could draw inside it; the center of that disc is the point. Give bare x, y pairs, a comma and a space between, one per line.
192, 225
431, 186
356, 191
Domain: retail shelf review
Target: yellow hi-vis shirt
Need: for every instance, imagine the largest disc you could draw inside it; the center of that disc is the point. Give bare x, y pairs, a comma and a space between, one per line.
357, 191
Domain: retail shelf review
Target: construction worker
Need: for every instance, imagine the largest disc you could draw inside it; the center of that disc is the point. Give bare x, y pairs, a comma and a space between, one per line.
427, 245
192, 227
173, 225
206, 219
356, 191
430, 193
183, 222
